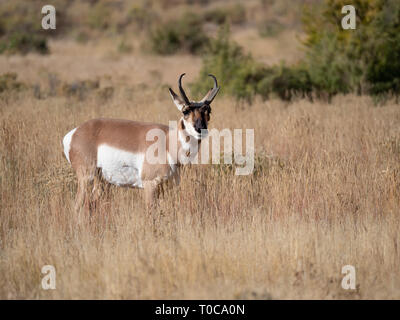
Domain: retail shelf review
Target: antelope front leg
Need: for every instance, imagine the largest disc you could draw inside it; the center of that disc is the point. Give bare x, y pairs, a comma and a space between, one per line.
100, 190
150, 193
82, 197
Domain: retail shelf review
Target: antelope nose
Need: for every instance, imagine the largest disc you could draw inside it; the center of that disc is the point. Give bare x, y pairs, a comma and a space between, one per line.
199, 125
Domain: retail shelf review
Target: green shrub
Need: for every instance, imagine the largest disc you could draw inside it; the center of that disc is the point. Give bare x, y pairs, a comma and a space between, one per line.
242, 77
270, 28
166, 40
264, 86
218, 16
21, 16
383, 71
226, 60
141, 17
20, 28
8, 82
292, 82
365, 60
235, 15
329, 69
23, 43
99, 16
79, 89
17, 16
185, 34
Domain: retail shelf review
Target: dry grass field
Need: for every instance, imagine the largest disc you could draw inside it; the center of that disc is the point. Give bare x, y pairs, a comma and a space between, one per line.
324, 193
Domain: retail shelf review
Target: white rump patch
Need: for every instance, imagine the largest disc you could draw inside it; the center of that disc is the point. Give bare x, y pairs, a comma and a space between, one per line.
120, 167
67, 143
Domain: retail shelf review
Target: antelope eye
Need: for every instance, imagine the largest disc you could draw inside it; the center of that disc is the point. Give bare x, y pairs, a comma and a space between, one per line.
207, 110
186, 112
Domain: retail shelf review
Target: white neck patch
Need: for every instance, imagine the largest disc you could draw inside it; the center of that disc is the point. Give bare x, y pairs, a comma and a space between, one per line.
189, 143
190, 130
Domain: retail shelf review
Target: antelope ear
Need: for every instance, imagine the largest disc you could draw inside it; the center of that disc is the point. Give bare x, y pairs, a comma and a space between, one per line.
180, 104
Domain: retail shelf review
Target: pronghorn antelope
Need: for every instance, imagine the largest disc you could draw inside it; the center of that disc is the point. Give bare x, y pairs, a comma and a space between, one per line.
116, 149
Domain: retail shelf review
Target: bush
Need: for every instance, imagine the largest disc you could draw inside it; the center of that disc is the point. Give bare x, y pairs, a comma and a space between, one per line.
21, 16
99, 16
235, 15
79, 89
329, 69
8, 82
270, 28
234, 69
264, 86
20, 28
365, 60
243, 78
185, 34
292, 82
383, 71
23, 43
141, 17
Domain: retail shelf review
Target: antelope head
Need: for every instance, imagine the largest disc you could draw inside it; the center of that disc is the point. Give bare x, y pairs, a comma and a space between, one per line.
196, 114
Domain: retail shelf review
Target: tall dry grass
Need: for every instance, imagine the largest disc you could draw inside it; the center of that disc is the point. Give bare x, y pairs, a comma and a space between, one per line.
325, 191
324, 194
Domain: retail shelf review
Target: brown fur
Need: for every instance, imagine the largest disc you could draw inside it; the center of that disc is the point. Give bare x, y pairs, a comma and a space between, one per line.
131, 136
125, 135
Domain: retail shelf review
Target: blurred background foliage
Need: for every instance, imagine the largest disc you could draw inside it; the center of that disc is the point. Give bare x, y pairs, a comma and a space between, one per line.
365, 60
182, 34
336, 61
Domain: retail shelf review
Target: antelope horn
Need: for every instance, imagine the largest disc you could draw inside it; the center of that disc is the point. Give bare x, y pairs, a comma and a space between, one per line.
209, 97
183, 94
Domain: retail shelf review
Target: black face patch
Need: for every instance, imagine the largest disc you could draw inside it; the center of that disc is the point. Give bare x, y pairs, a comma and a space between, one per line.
202, 109
198, 116
206, 108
